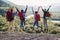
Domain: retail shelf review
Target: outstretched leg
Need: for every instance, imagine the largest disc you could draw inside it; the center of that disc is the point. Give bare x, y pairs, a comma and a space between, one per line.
9, 27
21, 24
12, 23
45, 25
34, 25
24, 22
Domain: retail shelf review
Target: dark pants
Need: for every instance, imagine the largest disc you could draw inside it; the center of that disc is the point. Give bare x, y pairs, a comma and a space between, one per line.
45, 24
23, 23
36, 23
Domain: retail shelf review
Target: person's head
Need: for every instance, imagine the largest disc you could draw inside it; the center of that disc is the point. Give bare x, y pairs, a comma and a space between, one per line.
11, 9
22, 10
45, 9
36, 12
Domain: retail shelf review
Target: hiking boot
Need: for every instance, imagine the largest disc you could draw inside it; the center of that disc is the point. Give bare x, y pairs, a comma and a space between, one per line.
46, 30
40, 27
32, 28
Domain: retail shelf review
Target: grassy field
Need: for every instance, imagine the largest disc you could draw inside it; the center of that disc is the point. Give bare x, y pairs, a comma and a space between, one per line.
52, 28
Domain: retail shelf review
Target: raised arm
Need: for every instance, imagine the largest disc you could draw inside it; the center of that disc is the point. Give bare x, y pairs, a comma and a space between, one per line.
17, 9
38, 8
42, 8
48, 8
32, 10
26, 8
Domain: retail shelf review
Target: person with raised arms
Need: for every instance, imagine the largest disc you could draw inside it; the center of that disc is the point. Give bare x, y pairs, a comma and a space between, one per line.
36, 18
46, 14
22, 15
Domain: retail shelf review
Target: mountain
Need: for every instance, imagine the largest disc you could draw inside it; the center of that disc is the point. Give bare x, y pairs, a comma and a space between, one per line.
2, 12
4, 4
55, 6
3, 8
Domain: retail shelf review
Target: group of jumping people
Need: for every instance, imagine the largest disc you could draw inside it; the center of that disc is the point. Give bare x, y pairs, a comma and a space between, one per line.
10, 14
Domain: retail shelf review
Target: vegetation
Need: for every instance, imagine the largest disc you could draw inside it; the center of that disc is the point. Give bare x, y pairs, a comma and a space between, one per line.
52, 29
4, 4
3, 7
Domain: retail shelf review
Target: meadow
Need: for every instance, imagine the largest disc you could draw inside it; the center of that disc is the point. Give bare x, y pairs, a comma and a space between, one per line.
52, 28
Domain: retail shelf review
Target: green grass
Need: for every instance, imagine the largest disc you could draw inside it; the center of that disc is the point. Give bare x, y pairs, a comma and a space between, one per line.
52, 29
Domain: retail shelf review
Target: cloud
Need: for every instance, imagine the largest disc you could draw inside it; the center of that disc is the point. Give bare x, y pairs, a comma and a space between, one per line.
45, 3
35, 2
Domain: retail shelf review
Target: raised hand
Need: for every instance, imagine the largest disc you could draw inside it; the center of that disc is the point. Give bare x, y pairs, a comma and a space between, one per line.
32, 10
26, 6
38, 8
50, 6
41, 6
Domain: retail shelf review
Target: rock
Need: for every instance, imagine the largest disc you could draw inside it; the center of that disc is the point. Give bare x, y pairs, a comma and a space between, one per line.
28, 36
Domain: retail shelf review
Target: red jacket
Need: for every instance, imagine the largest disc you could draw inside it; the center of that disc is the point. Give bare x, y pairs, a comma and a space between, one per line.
37, 17
21, 16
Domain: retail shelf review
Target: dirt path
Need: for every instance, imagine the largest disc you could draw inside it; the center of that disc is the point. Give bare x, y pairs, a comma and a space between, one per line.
28, 36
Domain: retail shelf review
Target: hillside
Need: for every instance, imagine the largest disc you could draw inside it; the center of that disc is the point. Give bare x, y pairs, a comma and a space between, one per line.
53, 29
4, 4
3, 7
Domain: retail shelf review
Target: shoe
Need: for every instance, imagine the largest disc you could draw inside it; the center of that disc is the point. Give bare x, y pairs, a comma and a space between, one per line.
40, 27
32, 28
46, 30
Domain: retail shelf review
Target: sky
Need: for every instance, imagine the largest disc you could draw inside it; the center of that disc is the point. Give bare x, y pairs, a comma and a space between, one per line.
44, 3
35, 2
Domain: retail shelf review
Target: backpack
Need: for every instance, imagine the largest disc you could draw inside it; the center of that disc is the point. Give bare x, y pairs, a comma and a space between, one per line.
48, 14
8, 15
21, 16
37, 17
